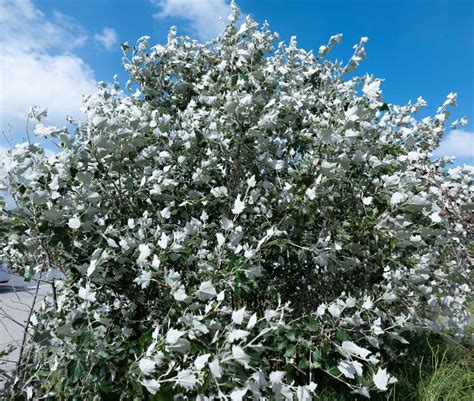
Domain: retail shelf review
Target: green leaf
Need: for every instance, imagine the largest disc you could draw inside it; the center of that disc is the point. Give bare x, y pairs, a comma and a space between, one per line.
342, 335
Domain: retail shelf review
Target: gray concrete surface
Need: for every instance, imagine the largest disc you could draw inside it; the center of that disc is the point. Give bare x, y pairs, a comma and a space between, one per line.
16, 300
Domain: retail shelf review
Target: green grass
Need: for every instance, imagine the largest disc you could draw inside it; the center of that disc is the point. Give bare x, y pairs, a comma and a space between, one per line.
432, 370
447, 376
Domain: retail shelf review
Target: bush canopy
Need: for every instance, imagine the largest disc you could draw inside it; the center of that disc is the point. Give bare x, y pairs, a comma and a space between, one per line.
245, 220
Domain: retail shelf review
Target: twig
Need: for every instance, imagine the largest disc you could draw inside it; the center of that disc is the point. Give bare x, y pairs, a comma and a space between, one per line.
22, 348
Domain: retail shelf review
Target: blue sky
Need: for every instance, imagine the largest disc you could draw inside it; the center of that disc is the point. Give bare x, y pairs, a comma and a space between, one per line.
53, 51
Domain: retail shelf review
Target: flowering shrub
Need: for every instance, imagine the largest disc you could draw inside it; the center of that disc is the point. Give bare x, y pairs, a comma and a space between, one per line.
251, 223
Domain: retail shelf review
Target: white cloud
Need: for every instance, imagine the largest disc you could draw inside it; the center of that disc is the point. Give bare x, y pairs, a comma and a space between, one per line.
108, 38
26, 28
37, 67
55, 82
458, 143
207, 17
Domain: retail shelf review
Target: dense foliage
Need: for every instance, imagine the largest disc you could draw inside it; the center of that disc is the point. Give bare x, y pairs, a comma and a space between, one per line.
251, 223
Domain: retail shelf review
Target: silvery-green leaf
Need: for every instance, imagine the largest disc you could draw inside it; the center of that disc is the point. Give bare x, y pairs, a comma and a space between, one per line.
240, 356
174, 335
220, 239
186, 379
435, 217
302, 394
146, 365
87, 294
144, 251
251, 182
362, 390
367, 201
252, 321
151, 385
350, 368
74, 223
237, 335
239, 206
350, 348
276, 377
180, 294
227, 224
239, 315
238, 394
215, 368
381, 379
163, 242
201, 361
92, 267
143, 280
206, 291
219, 191
334, 310
166, 213
311, 193
372, 89
397, 197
